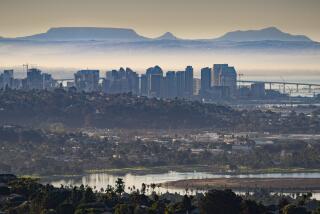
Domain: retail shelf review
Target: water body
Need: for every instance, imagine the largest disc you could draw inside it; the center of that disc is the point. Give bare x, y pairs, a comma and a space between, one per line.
101, 180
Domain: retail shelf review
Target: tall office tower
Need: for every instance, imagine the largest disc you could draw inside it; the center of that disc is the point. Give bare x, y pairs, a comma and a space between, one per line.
225, 76
87, 80
205, 80
189, 81
143, 85
47, 81
229, 79
132, 81
164, 90
121, 81
217, 70
180, 83
196, 86
155, 90
171, 84
34, 79
6, 79
152, 71
111, 84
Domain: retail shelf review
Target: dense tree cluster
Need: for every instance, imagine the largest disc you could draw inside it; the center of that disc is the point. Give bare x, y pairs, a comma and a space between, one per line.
41, 108
25, 195
42, 152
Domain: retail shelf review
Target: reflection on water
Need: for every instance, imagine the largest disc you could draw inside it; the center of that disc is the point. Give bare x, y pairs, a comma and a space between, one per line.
101, 180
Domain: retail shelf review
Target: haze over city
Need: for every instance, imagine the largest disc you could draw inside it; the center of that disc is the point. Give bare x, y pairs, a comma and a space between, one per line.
159, 107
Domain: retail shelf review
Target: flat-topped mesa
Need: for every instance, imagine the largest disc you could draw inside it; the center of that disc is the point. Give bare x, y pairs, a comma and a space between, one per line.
86, 33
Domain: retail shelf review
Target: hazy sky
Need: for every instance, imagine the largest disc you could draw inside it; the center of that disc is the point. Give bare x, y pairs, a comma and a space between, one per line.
184, 18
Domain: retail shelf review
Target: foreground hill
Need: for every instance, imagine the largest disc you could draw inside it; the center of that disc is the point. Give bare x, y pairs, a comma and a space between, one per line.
40, 108
25, 195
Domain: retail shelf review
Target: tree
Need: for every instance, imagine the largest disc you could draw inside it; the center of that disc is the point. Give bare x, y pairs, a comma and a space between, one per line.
293, 209
65, 208
143, 188
120, 186
221, 201
88, 196
249, 206
187, 205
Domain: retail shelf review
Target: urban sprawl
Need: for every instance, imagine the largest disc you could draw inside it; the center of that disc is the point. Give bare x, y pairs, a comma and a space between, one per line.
218, 82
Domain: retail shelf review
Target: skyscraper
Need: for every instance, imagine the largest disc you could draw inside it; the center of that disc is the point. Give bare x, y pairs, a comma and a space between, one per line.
155, 90
121, 81
217, 70
6, 79
133, 81
34, 79
180, 83
189, 81
156, 70
87, 80
143, 85
205, 80
171, 84
225, 76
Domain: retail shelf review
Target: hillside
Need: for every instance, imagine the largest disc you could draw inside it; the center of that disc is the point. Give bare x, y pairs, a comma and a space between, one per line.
41, 108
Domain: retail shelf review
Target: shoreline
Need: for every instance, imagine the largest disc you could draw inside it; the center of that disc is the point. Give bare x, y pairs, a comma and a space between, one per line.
142, 171
180, 169
249, 184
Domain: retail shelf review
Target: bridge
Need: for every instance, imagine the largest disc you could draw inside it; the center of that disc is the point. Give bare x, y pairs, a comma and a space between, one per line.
282, 83
298, 85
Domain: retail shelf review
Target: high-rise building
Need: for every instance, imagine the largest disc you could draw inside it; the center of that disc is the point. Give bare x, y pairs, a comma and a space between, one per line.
156, 83
217, 70
164, 89
6, 79
143, 85
189, 81
205, 80
47, 81
133, 81
150, 72
224, 75
171, 84
180, 83
34, 79
87, 80
121, 81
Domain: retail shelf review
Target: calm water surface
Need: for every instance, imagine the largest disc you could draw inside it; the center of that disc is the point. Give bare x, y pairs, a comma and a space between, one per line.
101, 180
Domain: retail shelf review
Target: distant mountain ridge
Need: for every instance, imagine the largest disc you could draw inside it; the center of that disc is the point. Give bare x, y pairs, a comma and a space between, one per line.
270, 33
124, 34
86, 33
167, 36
